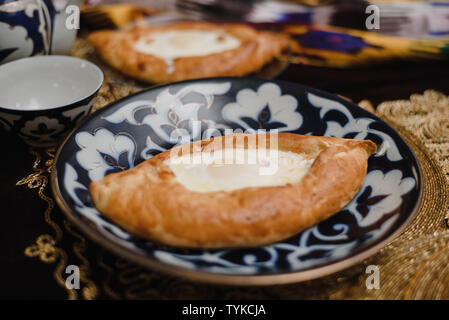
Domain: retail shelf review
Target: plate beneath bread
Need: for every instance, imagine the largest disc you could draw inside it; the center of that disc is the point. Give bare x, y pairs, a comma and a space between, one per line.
136, 128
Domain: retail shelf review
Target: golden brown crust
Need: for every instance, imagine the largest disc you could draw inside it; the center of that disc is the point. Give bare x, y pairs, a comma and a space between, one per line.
149, 201
257, 48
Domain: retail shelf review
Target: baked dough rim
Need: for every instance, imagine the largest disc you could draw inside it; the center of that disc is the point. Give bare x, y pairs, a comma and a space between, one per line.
257, 48
352, 158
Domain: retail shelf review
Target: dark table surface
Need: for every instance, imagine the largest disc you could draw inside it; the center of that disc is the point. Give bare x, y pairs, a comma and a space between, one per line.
23, 211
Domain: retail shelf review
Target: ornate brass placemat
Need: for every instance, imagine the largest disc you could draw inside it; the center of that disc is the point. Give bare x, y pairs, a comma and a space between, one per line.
413, 266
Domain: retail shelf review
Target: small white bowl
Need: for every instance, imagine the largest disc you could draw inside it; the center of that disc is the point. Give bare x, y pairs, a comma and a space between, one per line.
43, 97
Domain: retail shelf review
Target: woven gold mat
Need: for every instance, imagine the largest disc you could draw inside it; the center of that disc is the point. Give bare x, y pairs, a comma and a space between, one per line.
413, 266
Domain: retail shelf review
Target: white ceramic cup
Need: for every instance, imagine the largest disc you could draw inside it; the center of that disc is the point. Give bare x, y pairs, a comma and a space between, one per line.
43, 97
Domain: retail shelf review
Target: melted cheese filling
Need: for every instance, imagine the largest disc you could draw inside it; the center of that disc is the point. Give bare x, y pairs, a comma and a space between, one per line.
172, 44
237, 168
185, 43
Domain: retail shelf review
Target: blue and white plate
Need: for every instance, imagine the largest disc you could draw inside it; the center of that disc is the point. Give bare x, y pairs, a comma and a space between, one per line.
137, 127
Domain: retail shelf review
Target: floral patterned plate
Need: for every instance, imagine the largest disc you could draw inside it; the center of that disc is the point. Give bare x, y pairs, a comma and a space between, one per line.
137, 127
